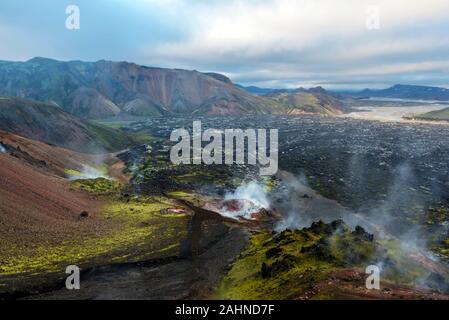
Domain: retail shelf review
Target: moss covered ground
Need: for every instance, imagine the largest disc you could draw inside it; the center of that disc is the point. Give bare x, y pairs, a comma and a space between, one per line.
98, 185
125, 229
137, 224
287, 264
436, 223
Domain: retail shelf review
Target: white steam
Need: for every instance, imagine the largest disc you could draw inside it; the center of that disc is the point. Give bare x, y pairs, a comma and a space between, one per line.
254, 197
89, 172
252, 192
387, 220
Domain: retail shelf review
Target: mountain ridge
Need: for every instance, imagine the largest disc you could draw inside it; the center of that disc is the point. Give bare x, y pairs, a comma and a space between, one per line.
308, 101
107, 89
406, 91
104, 89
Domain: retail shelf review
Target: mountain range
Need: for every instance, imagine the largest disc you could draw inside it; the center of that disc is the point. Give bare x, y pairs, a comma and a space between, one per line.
398, 91
412, 92
105, 89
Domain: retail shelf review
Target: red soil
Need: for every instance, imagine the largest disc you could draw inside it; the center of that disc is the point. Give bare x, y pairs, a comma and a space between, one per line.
53, 159
56, 159
37, 205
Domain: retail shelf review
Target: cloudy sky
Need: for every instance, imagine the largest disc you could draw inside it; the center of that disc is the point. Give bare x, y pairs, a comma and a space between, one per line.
340, 44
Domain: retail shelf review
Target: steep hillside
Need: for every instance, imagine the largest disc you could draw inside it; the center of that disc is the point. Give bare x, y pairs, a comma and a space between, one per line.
89, 103
61, 162
103, 89
302, 101
49, 123
36, 204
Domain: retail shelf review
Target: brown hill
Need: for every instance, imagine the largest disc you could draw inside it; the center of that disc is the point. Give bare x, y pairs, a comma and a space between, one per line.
49, 123
37, 200
54, 160
312, 101
35, 203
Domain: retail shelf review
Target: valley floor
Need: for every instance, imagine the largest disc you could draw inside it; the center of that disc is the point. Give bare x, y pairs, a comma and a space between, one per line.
141, 228
397, 114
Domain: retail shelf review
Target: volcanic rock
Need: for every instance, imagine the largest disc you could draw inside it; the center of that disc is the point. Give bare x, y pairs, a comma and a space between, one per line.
84, 215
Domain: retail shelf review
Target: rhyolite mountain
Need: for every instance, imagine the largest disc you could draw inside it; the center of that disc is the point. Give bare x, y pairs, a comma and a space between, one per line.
105, 89
308, 101
49, 123
412, 92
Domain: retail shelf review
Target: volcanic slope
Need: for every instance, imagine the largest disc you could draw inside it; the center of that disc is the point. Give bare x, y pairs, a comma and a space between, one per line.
34, 202
36, 196
49, 123
48, 221
311, 101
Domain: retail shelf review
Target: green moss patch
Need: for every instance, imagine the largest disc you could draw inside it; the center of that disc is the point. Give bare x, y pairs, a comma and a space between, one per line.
437, 222
98, 185
137, 231
285, 265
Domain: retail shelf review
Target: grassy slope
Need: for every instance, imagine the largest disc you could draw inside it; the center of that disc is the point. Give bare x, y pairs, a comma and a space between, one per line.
297, 103
435, 115
110, 138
